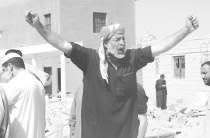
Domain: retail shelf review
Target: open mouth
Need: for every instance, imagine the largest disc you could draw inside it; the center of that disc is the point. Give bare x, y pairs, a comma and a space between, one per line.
121, 50
205, 80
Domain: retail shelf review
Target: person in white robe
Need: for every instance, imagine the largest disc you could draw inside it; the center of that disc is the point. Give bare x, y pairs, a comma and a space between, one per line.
26, 100
4, 115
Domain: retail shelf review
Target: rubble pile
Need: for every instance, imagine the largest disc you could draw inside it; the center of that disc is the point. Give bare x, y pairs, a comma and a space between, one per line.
175, 121
57, 117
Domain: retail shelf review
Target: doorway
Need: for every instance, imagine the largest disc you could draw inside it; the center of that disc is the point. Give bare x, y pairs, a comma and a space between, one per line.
48, 89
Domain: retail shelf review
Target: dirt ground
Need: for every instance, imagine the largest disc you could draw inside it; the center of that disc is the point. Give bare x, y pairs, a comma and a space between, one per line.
177, 119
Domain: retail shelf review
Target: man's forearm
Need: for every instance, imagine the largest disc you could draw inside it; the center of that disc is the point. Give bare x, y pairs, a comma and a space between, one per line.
51, 37
170, 41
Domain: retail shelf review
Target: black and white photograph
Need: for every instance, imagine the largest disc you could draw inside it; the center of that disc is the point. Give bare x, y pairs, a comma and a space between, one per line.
104, 69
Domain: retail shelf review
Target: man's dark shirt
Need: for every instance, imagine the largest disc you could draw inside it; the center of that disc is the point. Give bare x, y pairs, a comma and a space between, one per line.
109, 109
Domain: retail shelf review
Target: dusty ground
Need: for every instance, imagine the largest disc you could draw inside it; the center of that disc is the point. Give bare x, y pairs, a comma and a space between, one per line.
177, 118
57, 117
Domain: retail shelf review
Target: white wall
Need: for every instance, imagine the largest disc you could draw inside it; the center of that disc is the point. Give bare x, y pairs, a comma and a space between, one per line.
161, 18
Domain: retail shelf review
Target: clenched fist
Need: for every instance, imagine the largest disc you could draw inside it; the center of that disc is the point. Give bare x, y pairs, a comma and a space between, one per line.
192, 23
32, 18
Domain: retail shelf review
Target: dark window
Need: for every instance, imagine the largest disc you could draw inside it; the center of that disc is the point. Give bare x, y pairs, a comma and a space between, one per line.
59, 78
48, 89
99, 20
47, 21
179, 66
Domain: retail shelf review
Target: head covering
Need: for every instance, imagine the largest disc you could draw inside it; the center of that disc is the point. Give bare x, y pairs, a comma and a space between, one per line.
108, 31
9, 56
106, 34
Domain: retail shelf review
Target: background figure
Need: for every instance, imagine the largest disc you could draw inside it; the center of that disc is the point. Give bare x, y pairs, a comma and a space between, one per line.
161, 92
26, 101
42, 76
205, 74
202, 130
4, 114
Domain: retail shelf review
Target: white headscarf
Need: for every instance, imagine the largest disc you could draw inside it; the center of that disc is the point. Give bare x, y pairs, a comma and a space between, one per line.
106, 33
9, 56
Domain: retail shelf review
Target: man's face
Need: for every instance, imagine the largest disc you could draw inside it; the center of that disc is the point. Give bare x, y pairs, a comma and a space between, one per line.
116, 45
6, 74
205, 73
162, 77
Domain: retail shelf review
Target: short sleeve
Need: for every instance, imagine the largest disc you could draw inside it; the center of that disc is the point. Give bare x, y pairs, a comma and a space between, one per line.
142, 57
79, 56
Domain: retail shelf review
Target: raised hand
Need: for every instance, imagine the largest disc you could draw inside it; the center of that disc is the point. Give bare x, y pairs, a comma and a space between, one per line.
192, 23
32, 18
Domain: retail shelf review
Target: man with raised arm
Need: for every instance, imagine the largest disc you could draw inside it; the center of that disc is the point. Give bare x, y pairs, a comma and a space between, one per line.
109, 76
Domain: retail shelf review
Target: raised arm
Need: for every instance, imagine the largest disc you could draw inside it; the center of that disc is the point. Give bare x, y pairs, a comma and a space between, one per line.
171, 41
51, 37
